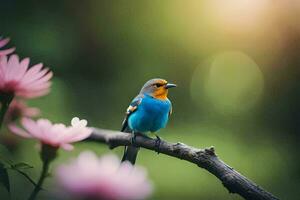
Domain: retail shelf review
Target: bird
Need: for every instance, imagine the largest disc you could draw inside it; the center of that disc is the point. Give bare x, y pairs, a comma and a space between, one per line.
149, 111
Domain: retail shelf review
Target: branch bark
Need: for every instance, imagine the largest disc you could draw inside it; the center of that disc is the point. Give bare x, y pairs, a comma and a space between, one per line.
204, 158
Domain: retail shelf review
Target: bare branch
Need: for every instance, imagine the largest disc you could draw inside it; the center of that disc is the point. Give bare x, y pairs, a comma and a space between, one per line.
204, 158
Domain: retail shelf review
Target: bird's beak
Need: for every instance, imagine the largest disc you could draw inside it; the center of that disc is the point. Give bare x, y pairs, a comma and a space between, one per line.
170, 85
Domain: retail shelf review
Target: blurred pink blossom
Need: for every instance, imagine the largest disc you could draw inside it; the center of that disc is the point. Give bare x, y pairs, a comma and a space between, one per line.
55, 135
18, 79
18, 109
5, 52
90, 177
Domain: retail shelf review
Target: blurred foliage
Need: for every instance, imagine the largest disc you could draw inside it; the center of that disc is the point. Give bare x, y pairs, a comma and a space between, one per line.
236, 63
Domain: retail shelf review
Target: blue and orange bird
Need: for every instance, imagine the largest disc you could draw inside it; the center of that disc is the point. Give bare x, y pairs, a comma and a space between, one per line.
148, 111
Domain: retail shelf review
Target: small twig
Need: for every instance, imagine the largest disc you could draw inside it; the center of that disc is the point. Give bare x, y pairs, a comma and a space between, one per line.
204, 158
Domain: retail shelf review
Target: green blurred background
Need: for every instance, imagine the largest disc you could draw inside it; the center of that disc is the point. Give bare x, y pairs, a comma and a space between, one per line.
236, 63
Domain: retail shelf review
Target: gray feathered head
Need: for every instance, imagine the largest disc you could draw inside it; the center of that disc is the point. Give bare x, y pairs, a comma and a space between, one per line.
157, 88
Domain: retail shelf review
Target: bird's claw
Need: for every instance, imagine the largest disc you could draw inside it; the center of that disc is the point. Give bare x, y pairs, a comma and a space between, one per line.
157, 144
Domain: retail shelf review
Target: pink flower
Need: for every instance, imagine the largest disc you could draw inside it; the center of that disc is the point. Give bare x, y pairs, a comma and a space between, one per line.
18, 79
5, 52
103, 178
18, 109
55, 135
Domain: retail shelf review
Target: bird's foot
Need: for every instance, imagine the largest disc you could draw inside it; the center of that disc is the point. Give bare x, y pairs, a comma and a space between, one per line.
157, 144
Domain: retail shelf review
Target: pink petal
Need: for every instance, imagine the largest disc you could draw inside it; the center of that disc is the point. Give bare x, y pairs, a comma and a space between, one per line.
7, 51
32, 94
31, 127
104, 178
22, 69
3, 65
3, 42
16, 70
18, 131
57, 135
31, 73
80, 135
37, 86
67, 147
39, 81
13, 62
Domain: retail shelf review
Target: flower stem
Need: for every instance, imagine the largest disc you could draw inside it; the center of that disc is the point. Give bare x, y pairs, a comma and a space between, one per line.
38, 186
5, 100
48, 154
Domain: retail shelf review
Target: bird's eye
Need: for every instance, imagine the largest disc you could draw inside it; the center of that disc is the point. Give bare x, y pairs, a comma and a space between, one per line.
157, 84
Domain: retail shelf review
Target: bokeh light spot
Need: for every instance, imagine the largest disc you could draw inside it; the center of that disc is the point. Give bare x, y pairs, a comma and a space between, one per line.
239, 14
233, 84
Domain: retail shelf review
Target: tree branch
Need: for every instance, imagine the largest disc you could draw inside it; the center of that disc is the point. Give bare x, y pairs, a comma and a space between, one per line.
204, 158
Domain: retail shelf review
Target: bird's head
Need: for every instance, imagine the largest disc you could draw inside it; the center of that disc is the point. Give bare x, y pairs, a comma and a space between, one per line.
157, 88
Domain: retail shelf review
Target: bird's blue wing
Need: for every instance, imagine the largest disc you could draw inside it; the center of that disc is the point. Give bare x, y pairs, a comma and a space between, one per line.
131, 108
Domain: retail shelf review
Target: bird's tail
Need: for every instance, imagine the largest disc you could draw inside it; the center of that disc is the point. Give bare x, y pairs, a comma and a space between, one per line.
130, 154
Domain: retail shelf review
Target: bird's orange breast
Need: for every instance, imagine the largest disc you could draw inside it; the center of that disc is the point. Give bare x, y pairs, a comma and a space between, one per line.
161, 93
